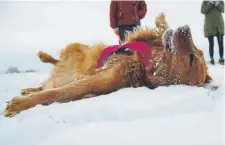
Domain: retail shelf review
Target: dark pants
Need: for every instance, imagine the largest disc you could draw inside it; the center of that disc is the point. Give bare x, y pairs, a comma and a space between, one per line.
211, 45
123, 29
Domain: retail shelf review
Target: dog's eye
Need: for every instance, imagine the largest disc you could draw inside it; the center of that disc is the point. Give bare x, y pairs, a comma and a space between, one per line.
191, 59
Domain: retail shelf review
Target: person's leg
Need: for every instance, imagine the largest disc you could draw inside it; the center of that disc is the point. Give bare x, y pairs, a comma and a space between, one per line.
132, 27
220, 43
139, 23
211, 48
124, 29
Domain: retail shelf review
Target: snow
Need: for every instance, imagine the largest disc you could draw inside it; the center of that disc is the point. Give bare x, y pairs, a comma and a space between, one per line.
167, 115
174, 115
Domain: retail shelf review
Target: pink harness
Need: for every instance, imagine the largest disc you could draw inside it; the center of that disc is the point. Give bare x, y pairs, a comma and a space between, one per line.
142, 48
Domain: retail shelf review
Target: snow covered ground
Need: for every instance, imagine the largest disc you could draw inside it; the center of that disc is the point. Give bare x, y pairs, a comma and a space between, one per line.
174, 115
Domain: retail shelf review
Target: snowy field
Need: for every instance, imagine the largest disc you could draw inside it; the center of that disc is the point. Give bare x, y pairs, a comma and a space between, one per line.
174, 115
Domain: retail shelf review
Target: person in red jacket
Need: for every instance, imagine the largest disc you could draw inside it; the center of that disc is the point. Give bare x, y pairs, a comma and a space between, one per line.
126, 15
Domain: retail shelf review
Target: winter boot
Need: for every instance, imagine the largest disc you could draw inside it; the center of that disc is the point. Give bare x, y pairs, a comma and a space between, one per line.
221, 61
212, 61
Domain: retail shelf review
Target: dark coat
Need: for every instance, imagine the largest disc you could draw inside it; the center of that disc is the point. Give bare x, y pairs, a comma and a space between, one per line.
214, 23
126, 12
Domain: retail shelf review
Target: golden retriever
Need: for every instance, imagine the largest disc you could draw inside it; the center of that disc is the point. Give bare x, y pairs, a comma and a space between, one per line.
175, 60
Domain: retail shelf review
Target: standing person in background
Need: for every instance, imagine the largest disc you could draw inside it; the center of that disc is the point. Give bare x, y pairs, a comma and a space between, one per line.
214, 26
126, 15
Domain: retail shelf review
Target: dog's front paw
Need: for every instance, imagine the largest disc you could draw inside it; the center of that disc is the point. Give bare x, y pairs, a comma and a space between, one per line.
13, 107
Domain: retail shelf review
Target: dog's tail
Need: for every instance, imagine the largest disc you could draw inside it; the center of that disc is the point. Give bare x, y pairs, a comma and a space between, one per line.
46, 58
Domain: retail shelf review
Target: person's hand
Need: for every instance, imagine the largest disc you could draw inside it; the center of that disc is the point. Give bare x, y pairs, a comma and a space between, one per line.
116, 31
217, 3
211, 2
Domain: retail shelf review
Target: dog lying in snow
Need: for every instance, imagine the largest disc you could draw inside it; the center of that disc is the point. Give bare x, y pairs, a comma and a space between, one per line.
174, 60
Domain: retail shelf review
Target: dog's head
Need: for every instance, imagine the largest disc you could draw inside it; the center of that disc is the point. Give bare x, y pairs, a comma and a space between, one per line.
183, 43
188, 59
179, 41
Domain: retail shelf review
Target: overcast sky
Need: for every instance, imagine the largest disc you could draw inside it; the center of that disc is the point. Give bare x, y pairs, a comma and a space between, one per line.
26, 27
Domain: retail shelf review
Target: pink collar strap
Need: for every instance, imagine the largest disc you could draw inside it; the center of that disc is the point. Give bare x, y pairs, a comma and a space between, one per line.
142, 48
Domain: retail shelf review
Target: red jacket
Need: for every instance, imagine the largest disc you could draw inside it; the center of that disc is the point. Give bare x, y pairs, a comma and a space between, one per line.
126, 12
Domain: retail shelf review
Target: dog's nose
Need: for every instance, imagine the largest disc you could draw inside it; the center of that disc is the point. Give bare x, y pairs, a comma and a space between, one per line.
184, 30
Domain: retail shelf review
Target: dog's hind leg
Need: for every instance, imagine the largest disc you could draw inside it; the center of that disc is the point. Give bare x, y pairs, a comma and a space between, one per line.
27, 91
101, 83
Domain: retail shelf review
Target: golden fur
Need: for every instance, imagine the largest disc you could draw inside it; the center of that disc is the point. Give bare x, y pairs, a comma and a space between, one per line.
76, 61
74, 75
